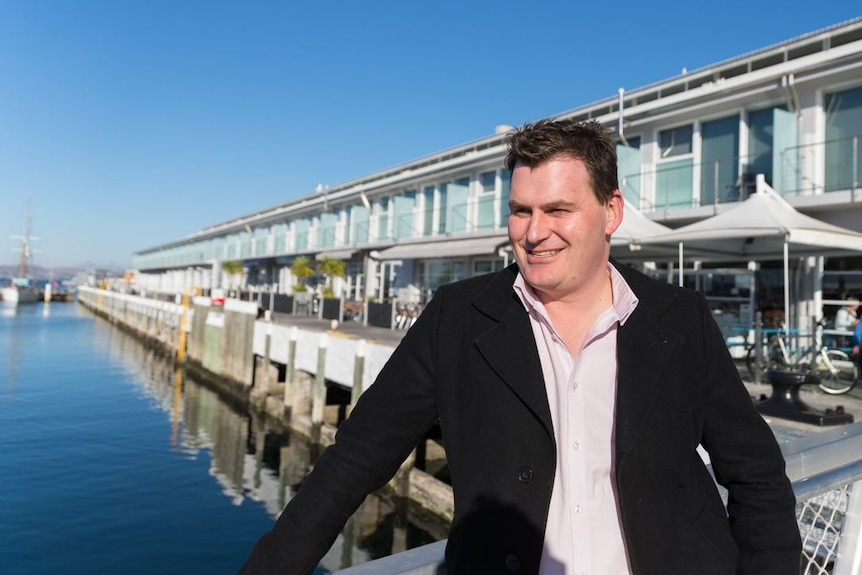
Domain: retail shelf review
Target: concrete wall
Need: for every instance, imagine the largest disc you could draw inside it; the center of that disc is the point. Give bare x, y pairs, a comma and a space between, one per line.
218, 339
341, 352
157, 321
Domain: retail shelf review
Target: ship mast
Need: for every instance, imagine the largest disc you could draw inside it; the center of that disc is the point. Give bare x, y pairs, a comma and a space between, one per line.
24, 264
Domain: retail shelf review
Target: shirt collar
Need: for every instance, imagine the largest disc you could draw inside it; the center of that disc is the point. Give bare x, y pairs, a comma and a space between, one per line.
625, 300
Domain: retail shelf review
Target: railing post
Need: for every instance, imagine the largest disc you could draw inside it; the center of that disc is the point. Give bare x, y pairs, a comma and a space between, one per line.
849, 560
289, 383
183, 328
267, 355
318, 401
758, 345
358, 371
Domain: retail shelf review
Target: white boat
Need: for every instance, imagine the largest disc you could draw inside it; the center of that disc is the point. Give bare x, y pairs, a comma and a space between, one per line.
22, 289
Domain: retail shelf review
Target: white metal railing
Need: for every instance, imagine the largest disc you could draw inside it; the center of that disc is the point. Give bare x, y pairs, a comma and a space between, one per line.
829, 521
826, 471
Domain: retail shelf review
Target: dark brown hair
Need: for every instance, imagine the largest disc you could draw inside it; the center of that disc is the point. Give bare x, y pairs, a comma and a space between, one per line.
590, 142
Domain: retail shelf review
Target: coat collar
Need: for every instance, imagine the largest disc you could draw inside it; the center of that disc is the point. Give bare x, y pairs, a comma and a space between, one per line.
509, 346
644, 347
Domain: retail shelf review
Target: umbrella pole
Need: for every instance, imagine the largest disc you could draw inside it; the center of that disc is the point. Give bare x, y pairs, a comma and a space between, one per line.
680, 265
786, 289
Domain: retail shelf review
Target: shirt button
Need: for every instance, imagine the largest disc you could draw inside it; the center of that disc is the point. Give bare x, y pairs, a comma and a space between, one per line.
574, 385
512, 562
578, 509
576, 445
525, 475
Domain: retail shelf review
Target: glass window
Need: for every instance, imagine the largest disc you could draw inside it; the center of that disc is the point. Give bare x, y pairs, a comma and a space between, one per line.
675, 141
485, 207
302, 229
505, 194
719, 154
359, 228
427, 210
487, 266
434, 273
441, 207
488, 181
761, 134
843, 135
383, 218
403, 208
280, 238
629, 162
326, 230
674, 184
260, 239
457, 216
631, 142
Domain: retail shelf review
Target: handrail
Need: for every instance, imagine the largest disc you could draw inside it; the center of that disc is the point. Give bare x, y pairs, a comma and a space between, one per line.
823, 502
827, 481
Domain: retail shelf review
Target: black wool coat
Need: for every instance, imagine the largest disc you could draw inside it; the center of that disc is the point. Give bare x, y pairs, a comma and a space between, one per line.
471, 362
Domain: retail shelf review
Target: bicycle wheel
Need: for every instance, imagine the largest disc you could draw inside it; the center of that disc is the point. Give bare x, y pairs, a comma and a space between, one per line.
837, 371
769, 360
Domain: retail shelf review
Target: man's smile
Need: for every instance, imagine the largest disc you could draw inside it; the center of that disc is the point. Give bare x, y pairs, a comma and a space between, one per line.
543, 253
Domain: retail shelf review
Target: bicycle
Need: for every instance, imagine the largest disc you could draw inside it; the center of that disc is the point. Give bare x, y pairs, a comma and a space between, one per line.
836, 371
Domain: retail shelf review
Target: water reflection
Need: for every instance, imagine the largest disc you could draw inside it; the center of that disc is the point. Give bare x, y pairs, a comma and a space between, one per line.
9, 310
256, 461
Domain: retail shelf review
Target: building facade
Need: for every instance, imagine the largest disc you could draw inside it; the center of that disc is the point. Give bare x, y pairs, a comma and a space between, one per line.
689, 147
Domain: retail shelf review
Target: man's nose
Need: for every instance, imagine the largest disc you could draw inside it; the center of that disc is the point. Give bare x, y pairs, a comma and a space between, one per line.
537, 230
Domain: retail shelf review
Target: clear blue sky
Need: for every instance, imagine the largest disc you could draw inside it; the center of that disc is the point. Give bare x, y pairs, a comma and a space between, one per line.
130, 123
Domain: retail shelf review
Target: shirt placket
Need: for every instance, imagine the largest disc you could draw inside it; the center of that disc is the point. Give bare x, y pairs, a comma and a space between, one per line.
577, 464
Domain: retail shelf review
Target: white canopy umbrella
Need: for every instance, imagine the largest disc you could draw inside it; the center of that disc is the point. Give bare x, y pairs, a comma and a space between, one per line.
626, 241
765, 226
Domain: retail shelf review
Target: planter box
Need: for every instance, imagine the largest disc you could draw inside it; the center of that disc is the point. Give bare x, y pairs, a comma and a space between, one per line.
332, 309
380, 314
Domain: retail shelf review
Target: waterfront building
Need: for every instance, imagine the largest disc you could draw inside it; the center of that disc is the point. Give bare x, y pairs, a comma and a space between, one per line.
690, 147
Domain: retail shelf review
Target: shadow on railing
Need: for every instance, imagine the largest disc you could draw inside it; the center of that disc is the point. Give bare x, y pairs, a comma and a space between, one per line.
826, 471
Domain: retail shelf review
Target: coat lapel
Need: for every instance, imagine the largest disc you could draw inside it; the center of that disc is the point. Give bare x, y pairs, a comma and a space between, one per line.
644, 352
509, 347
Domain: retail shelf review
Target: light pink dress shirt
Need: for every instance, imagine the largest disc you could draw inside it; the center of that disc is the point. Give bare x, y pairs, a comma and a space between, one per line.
583, 535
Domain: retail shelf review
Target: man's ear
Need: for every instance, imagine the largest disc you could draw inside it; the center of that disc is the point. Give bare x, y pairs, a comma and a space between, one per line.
615, 209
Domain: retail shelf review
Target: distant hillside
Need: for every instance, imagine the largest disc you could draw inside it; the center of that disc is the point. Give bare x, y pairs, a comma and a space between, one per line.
58, 273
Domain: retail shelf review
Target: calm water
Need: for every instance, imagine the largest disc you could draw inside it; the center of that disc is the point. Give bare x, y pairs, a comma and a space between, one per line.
113, 462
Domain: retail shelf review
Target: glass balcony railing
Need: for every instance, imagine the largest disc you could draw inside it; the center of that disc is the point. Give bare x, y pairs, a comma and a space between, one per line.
683, 183
822, 167
679, 183
811, 169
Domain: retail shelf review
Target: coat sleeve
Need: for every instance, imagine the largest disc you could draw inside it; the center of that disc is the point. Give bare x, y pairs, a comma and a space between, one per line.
388, 421
747, 461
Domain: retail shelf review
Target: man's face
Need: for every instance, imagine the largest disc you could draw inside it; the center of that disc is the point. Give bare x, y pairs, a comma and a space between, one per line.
559, 230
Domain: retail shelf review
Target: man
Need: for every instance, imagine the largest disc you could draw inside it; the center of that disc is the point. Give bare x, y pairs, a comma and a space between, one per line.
846, 320
572, 393
857, 346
